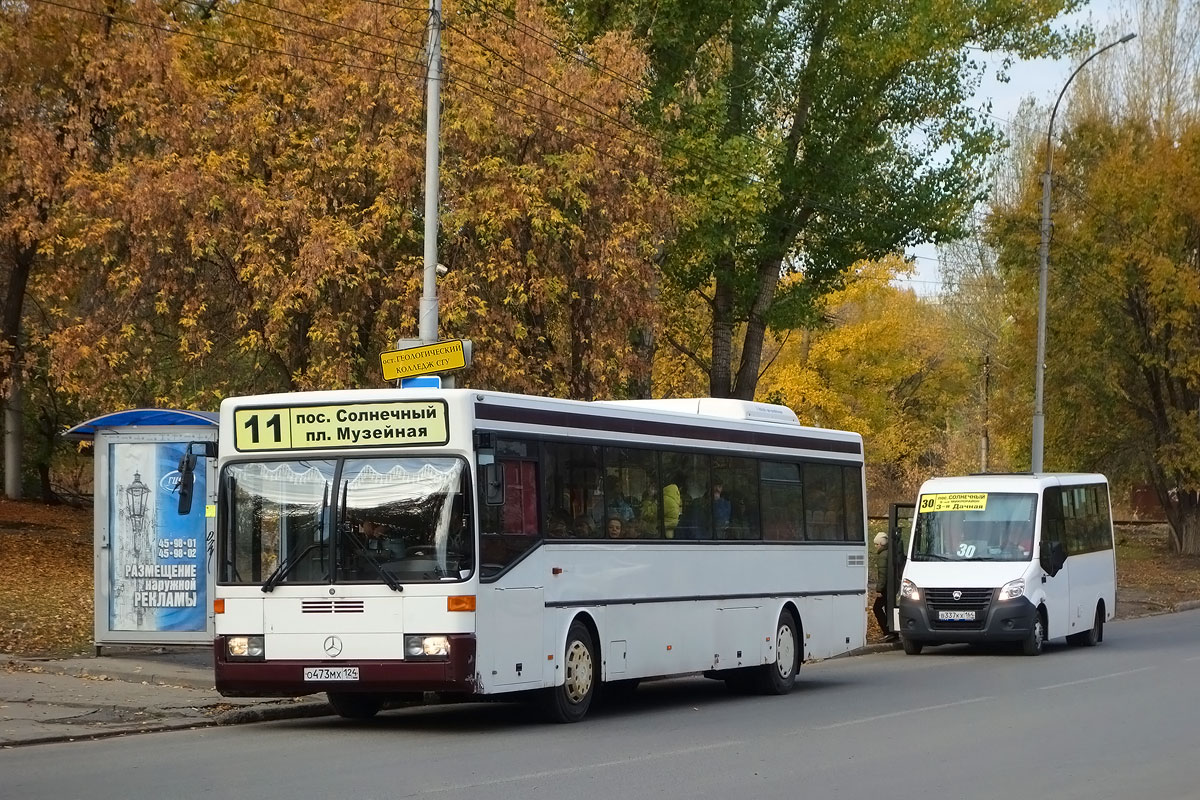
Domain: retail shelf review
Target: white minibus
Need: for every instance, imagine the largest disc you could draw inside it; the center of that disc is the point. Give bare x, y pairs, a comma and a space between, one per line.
1009, 558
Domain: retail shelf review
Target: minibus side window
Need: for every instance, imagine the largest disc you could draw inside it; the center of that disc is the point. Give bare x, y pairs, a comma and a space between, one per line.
1052, 515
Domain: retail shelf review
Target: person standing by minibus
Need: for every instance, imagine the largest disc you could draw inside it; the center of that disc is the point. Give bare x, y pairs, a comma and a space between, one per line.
879, 607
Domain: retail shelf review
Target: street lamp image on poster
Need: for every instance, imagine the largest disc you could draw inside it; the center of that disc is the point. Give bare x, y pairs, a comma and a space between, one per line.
159, 559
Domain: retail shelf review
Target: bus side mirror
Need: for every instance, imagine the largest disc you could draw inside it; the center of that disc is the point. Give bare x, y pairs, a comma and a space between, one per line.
187, 477
187, 473
493, 484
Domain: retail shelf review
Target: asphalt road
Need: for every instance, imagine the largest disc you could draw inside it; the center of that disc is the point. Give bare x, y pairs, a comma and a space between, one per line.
1118, 721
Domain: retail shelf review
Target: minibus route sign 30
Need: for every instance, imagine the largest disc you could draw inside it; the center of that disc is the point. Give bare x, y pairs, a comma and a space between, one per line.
424, 360
384, 424
956, 501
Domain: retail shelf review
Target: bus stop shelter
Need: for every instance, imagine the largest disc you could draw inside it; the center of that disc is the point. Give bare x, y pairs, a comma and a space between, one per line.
153, 566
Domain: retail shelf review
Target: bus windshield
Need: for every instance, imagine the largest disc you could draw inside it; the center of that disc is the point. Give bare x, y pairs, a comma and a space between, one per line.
1000, 531
353, 520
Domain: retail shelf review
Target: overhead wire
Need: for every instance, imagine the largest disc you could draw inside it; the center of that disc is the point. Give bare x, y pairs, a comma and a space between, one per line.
218, 40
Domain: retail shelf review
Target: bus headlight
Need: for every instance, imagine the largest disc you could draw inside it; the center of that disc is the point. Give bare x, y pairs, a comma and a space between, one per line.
1013, 589
909, 591
245, 648
419, 647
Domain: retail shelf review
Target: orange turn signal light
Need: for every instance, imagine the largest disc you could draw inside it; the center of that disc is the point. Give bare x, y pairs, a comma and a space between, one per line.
219, 605
460, 602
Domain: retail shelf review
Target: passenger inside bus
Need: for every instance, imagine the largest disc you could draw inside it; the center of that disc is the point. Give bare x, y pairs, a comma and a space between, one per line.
613, 528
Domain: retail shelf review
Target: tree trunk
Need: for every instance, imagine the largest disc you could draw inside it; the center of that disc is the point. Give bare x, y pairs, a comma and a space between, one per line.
14, 304
14, 429
1183, 512
756, 330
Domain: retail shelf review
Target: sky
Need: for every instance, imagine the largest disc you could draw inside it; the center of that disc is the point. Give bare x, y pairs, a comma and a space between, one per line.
1041, 79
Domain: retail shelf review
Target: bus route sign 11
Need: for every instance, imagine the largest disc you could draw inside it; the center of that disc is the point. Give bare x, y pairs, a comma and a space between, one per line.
427, 359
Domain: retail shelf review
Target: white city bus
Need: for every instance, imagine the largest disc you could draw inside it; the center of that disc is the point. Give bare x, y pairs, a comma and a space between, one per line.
1009, 558
376, 543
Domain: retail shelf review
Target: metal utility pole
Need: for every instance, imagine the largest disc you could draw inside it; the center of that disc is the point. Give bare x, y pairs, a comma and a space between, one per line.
987, 389
428, 330
1039, 416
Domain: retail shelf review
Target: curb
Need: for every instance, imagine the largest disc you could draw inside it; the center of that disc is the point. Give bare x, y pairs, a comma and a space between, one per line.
125, 675
271, 712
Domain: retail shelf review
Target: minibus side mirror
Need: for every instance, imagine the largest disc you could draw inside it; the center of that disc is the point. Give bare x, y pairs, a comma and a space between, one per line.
493, 484
1052, 557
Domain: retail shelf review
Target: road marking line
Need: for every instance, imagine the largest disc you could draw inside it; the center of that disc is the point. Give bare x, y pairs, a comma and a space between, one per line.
902, 713
1096, 678
579, 768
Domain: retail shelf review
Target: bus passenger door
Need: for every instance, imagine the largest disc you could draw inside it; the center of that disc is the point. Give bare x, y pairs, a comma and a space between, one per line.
510, 636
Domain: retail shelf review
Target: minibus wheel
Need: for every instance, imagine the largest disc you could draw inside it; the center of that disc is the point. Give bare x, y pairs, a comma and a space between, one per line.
352, 705
1091, 637
570, 701
1036, 640
911, 648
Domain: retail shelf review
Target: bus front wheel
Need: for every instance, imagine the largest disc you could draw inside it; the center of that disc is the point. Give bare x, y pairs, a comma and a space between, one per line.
570, 701
355, 706
780, 676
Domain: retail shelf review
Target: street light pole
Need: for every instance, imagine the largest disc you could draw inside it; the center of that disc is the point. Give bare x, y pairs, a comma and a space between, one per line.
1039, 416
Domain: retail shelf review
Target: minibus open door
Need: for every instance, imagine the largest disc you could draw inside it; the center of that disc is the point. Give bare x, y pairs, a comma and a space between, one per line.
900, 519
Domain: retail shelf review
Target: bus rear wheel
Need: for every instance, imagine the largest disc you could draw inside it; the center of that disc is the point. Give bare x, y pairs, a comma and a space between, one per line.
780, 676
570, 701
355, 706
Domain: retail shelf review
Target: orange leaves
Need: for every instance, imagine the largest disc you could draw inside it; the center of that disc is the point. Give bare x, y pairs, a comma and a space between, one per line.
47, 593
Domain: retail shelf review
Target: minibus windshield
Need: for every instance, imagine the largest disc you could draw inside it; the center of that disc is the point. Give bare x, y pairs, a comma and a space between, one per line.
976, 527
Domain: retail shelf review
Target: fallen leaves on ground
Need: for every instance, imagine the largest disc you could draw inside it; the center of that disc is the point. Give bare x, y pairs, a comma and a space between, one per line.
46, 595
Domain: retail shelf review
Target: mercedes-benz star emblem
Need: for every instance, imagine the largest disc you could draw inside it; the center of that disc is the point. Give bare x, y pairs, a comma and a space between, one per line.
957, 596
333, 646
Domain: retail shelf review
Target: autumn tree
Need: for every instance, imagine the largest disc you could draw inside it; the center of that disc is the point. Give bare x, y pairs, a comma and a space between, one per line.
806, 135
1123, 366
262, 228
55, 71
885, 364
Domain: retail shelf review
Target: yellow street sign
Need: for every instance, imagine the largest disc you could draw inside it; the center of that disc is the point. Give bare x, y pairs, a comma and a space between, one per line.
427, 359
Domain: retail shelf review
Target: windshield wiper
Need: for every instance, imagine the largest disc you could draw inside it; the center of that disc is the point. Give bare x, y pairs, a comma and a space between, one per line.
285, 567
931, 557
389, 579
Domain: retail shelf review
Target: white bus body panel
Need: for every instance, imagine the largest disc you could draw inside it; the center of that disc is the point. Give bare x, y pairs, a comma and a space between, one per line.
637, 597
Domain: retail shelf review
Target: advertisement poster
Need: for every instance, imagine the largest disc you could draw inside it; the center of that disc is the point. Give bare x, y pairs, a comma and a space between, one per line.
158, 564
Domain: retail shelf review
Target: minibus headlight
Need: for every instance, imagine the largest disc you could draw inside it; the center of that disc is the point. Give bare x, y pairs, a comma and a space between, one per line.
1013, 589
247, 648
419, 647
909, 591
